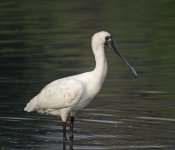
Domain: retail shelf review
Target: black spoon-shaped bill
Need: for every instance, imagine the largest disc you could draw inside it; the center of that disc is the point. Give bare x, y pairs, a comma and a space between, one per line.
127, 63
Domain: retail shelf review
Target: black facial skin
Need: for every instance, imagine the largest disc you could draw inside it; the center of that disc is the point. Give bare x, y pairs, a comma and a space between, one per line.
108, 40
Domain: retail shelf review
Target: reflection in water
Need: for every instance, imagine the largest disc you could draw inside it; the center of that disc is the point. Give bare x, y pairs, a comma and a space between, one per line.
42, 41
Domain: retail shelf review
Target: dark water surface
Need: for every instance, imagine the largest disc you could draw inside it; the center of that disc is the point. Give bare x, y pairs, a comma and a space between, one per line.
41, 41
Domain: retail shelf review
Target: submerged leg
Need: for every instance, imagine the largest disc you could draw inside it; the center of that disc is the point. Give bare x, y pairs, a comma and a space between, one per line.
71, 133
64, 136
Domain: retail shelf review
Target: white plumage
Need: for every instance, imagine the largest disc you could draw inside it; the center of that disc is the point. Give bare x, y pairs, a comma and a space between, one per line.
63, 97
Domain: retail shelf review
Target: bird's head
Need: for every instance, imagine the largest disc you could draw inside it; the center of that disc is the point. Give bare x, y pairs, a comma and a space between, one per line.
102, 39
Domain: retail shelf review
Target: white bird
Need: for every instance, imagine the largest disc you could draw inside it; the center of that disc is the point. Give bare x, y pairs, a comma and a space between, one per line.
63, 97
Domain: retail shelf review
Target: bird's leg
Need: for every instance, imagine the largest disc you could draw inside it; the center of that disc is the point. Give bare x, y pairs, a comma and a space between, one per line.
64, 136
71, 133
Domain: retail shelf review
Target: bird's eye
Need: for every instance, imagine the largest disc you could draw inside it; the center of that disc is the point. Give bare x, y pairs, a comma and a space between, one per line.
107, 38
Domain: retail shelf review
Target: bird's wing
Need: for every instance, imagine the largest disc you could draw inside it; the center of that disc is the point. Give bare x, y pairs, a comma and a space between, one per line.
61, 94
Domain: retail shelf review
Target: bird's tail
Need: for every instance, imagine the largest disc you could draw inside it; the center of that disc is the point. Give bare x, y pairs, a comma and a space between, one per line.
31, 106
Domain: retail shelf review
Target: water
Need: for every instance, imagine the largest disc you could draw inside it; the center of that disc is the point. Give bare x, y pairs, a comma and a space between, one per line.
41, 41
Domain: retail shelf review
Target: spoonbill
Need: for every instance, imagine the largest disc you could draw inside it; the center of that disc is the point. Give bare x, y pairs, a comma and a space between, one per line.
63, 97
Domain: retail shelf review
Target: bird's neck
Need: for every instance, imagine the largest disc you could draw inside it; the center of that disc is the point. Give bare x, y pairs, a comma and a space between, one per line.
100, 70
